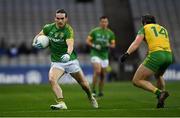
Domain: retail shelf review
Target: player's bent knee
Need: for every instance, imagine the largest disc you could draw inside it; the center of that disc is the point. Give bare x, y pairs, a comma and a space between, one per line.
135, 82
52, 80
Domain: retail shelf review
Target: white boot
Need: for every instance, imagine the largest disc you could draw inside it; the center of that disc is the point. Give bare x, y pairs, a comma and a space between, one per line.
60, 105
94, 102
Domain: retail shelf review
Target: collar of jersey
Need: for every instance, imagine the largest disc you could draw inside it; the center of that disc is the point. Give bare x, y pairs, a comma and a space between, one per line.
61, 28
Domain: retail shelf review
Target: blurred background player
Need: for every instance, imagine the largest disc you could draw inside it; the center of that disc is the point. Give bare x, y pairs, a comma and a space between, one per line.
63, 58
158, 59
100, 39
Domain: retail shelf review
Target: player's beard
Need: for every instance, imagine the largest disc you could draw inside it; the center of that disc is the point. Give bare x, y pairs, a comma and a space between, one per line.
61, 25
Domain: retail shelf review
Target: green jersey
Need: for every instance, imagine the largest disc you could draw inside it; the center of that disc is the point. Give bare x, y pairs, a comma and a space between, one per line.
102, 37
57, 40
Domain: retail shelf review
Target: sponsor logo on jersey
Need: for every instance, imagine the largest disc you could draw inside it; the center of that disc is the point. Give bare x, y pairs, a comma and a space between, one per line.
56, 40
61, 34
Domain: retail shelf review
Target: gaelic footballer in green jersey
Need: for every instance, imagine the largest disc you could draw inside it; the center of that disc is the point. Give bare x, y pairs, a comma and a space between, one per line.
57, 38
63, 58
100, 39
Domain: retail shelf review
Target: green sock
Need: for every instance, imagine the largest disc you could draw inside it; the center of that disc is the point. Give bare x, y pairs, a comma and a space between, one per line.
158, 92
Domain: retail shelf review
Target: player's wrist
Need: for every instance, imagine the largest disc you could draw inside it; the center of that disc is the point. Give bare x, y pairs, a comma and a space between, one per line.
127, 53
68, 53
124, 57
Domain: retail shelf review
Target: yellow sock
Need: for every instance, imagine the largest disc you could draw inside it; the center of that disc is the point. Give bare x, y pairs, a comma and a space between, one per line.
157, 92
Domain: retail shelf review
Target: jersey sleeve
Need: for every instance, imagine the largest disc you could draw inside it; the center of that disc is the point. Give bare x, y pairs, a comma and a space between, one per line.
91, 33
46, 29
141, 31
70, 33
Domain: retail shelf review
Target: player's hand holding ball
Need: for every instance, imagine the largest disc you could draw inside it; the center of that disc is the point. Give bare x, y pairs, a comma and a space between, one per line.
37, 45
65, 58
40, 42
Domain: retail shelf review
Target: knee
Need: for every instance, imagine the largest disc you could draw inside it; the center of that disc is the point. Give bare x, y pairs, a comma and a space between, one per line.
135, 82
52, 79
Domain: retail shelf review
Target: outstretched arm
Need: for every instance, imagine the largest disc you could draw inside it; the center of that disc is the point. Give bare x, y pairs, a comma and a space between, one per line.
135, 44
70, 44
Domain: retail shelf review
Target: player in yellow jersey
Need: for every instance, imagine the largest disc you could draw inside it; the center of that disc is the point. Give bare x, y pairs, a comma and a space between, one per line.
158, 59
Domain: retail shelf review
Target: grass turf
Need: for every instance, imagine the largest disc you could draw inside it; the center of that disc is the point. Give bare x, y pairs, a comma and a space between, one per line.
121, 99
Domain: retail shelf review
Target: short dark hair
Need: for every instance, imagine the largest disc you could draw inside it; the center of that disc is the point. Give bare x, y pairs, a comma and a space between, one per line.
103, 17
148, 19
61, 11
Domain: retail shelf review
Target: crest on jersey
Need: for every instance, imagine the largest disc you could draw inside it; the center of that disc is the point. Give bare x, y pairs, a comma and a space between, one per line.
61, 35
56, 34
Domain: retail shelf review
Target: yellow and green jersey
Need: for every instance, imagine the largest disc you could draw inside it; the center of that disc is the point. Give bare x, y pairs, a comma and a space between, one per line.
57, 38
101, 37
156, 37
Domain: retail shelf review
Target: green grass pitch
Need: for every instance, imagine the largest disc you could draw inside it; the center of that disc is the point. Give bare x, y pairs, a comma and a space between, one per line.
121, 99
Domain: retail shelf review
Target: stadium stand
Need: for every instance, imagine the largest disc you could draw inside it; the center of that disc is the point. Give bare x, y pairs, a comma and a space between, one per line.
167, 13
21, 20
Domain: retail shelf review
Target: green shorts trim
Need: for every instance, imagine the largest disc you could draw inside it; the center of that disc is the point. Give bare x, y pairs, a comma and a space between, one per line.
158, 61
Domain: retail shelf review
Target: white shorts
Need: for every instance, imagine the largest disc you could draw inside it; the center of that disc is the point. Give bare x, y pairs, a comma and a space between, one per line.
104, 63
69, 67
